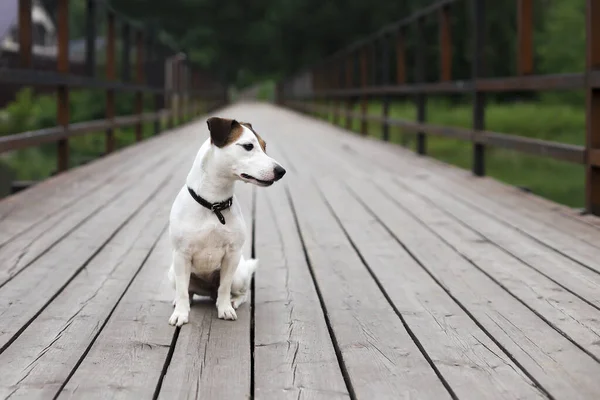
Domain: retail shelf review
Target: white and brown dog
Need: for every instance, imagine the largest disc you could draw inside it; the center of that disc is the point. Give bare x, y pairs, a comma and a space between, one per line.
207, 228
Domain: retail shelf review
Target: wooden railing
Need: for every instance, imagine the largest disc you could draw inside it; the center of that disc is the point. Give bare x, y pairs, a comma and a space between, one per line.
177, 88
336, 80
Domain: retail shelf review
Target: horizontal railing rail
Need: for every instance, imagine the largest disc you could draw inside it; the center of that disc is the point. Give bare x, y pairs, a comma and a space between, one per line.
157, 74
363, 71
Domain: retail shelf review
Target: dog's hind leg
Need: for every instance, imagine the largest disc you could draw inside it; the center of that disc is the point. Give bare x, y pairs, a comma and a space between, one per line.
182, 267
241, 281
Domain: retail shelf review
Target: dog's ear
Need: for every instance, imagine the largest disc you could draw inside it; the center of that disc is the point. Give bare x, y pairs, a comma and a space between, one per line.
220, 130
247, 124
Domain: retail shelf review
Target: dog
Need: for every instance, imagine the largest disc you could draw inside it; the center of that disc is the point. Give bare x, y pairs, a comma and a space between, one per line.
206, 225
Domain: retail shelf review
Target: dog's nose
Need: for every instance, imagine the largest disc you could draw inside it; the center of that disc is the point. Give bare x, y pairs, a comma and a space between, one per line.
279, 172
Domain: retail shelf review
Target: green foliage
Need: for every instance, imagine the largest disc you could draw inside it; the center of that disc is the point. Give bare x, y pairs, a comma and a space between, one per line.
561, 43
30, 112
247, 42
266, 91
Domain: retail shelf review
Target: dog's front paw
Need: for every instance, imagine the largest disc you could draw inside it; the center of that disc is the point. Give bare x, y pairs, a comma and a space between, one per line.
179, 317
226, 312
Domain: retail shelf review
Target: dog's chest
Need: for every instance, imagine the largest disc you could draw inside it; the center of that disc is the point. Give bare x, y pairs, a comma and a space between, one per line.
211, 245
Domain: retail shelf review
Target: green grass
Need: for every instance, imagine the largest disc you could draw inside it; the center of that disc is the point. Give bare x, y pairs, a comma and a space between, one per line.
556, 180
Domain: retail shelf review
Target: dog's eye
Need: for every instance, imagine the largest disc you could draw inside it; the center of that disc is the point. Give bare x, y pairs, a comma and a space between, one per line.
248, 146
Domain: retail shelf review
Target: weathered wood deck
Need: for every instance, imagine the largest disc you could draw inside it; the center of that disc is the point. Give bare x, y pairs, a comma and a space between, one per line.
383, 276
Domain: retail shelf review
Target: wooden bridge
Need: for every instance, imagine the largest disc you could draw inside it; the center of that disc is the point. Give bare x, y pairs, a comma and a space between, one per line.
383, 274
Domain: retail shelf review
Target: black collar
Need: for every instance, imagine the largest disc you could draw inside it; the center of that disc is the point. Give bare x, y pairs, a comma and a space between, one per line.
214, 207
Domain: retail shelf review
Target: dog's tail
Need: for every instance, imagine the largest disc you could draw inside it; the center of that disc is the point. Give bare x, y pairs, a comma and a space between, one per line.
250, 265
243, 275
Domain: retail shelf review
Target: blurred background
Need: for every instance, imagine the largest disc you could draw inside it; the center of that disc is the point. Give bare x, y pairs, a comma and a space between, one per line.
251, 45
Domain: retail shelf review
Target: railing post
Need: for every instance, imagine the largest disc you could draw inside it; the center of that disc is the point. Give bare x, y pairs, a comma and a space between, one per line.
525, 43
373, 63
180, 90
176, 87
478, 96
385, 79
196, 89
400, 66
445, 45
139, 75
279, 93
152, 78
125, 52
349, 85
174, 91
336, 68
325, 81
170, 90
25, 34
90, 38
110, 76
186, 88
192, 88
421, 100
62, 66
328, 74
593, 109
364, 76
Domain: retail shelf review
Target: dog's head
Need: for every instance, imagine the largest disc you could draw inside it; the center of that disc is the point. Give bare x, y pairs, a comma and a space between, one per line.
242, 152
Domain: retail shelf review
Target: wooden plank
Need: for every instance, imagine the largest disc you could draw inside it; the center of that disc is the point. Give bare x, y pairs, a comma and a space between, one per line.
569, 274
397, 159
23, 297
555, 363
543, 295
562, 242
472, 364
25, 209
24, 249
570, 315
212, 359
380, 357
568, 388
46, 353
443, 329
294, 356
541, 210
127, 358
553, 215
